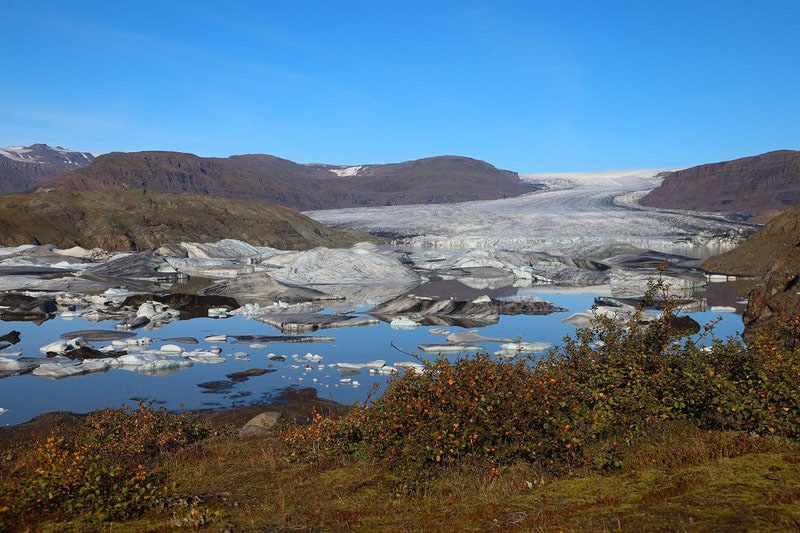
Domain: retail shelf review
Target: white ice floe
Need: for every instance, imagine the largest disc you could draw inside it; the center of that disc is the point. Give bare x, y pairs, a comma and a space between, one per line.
216, 338
171, 348
525, 347
402, 322
61, 347
59, 370
409, 365
450, 348
722, 309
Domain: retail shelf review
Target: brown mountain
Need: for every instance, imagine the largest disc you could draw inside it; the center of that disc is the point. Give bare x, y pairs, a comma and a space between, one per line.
761, 186
139, 220
267, 178
23, 167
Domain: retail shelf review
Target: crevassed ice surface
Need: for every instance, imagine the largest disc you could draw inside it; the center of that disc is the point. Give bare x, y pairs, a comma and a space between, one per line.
576, 213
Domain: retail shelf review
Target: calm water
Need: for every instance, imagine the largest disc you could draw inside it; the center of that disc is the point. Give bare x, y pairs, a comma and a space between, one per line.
27, 396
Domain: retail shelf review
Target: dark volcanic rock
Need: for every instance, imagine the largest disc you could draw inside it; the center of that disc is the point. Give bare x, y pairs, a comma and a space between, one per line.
249, 373
685, 325
218, 387
765, 185
84, 352
12, 337
97, 335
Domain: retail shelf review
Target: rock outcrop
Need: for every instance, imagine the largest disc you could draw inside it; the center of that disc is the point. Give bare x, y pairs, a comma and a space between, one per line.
772, 254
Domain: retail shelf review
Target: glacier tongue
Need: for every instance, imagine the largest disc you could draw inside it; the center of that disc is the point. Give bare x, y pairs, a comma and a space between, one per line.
579, 214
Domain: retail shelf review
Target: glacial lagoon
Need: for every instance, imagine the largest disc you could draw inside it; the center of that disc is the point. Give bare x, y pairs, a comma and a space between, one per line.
23, 397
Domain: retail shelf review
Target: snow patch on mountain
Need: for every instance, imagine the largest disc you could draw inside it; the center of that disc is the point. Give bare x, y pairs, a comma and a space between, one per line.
42, 153
347, 172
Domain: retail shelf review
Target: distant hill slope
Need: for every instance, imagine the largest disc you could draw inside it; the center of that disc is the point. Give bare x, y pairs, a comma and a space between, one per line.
267, 178
24, 167
762, 185
137, 220
756, 255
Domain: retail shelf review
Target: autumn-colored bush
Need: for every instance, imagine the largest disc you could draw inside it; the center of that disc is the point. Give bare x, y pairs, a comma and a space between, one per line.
581, 405
106, 469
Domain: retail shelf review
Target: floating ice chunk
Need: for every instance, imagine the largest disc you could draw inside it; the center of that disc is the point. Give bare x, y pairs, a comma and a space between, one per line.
402, 322
350, 366
164, 364
345, 380
218, 312
136, 341
171, 348
216, 338
408, 365
377, 363
722, 309
61, 347
526, 347
312, 358
355, 383
3, 411
449, 348
205, 357
384, 370
439, 331
57, 370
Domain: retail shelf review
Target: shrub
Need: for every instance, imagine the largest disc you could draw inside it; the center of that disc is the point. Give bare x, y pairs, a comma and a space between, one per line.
581, 405
106, 469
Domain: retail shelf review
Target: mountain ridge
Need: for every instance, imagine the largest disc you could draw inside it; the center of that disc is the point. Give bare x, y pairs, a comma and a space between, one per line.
760, 186
263, 177
24, 167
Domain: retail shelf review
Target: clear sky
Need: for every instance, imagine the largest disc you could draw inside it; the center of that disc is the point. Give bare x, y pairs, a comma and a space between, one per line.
530, 86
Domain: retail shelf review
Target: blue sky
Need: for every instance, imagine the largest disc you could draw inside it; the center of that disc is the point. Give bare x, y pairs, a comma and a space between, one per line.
530, 86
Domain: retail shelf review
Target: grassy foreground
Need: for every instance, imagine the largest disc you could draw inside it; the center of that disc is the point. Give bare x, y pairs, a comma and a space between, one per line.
685, 480
626, 427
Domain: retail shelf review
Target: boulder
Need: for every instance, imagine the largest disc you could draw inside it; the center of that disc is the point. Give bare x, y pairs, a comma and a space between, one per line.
260, 424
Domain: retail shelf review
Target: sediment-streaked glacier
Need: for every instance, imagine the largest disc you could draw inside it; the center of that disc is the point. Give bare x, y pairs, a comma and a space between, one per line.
584, 214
